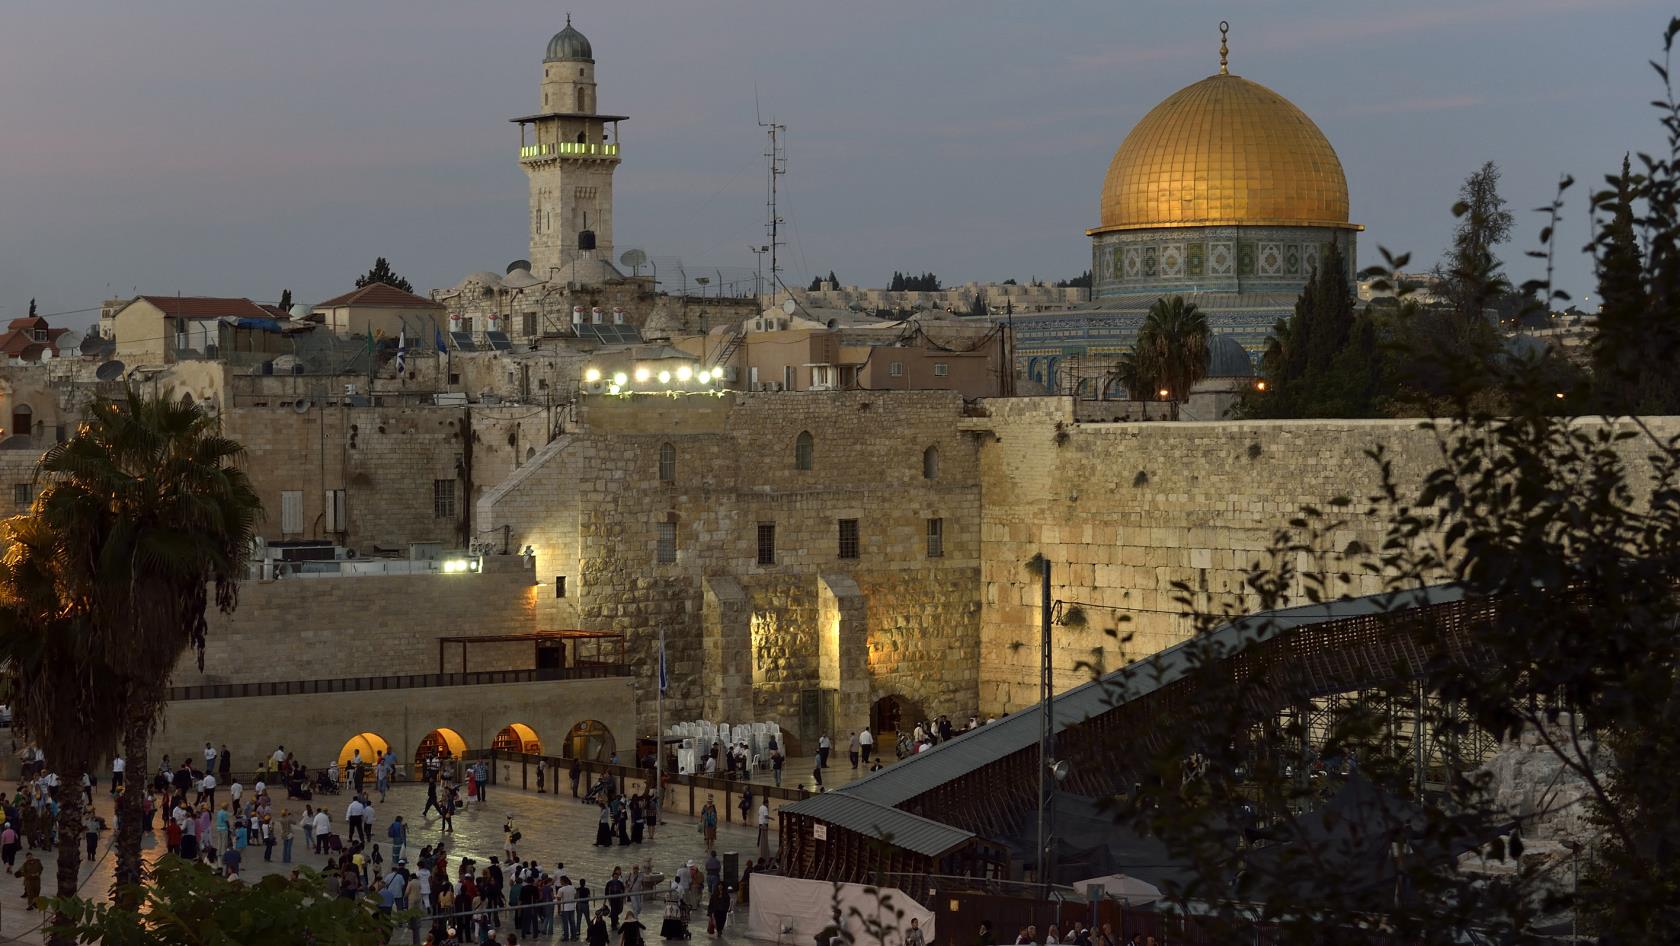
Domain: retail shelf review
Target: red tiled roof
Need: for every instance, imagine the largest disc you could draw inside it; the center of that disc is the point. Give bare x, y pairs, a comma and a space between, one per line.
207, 307
379, 294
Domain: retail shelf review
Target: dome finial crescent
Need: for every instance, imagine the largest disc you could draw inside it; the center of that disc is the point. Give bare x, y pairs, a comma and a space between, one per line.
1224, 51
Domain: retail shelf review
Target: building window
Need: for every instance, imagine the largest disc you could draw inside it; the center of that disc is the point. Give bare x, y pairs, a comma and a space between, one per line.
941, 369
667, 463
936, 538
930, 463
338, 519
443, 499
896, 369
530, 326
848, 538
767, 543
559, 586
803, 449
667, 552
291, 511
787, 378
23, 494
752, 377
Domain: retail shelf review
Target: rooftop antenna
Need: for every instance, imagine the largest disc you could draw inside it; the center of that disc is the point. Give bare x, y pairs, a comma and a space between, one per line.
775, 155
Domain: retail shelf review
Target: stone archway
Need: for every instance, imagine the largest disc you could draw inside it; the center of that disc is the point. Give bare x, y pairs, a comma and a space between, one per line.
893, 714
446, 743
589, 739
517, 737
370, 744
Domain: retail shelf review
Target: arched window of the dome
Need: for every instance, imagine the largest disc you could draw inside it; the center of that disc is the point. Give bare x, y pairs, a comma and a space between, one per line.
1035, 370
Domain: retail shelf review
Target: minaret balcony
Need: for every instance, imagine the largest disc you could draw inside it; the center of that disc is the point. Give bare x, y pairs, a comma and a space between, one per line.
567, 149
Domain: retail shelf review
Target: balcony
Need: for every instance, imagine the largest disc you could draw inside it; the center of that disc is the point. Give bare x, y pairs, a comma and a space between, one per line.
568, 149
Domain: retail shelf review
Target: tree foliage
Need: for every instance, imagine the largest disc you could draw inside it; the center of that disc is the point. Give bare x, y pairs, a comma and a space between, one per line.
188, 904
1171, 351
382, 273
1324, 360
926, 282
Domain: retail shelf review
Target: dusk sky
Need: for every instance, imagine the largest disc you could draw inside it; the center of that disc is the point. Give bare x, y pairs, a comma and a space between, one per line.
238, 149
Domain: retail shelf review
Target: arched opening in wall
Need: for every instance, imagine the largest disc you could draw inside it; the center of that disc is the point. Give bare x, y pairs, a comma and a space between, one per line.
529, 453
444, 743
1050, 374
582, 104
891, 715
23, 420
517, 737
590, 740
371, 746
1035, 370
1082, 390
804, 451
930, 463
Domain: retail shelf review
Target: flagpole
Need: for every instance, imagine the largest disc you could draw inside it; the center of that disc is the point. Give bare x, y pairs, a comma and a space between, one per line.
659, 733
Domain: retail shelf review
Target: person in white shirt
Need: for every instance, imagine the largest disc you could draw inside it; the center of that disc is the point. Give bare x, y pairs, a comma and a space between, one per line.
209, 757
764, 829
207, 789
118, 766
866, 739
237, 791
367, 822
353, 818
279, 755
261, 787
323, 827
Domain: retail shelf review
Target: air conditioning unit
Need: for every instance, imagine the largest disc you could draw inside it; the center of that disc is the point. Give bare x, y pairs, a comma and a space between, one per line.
731, 374
756, 386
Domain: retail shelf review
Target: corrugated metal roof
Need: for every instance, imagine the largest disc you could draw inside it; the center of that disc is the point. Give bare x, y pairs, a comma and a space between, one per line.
901, 829
958, 756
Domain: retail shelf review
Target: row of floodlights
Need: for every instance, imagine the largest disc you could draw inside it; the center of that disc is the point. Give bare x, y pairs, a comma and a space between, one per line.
645, 377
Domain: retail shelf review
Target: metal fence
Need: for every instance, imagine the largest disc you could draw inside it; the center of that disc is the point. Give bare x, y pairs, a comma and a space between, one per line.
223, 691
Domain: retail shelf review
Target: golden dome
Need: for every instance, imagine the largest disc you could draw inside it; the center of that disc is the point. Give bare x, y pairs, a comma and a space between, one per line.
1224, 151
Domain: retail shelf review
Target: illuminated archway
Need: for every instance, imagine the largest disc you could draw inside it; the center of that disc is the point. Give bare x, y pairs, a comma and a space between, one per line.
895, 714
517, 737
589, 739
448, 742
371, 744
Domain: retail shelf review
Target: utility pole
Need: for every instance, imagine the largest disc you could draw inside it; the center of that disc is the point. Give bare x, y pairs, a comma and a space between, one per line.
1046, 735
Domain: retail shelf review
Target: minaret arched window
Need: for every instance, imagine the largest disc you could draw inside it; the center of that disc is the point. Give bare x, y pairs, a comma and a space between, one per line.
804, 447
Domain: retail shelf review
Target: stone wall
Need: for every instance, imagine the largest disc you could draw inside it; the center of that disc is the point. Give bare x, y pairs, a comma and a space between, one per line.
324, 628
592, 505
1124, 511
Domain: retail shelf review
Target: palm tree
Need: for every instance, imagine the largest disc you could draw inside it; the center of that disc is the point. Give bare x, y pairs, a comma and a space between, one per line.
1174, 340
57, 683
1132, 373
149, 516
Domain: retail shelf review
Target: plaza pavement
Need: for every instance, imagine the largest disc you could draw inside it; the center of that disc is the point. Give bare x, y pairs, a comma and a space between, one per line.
555, 829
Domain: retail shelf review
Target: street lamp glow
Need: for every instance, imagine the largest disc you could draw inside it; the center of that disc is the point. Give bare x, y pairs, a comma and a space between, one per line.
620, 380
704, 377
664, 377
642, 375
684, 373
592, 375
1164, 392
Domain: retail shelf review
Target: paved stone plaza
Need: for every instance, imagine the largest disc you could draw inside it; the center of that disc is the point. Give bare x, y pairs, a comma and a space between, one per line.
556, 829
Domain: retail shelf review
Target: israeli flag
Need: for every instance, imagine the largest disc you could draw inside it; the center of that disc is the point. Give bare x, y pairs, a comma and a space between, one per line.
664, 678
402, 350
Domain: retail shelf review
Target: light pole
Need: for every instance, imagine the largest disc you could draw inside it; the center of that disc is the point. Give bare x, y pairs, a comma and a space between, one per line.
758, 270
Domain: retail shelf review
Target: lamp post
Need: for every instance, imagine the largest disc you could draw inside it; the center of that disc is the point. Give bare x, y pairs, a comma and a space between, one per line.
758, 271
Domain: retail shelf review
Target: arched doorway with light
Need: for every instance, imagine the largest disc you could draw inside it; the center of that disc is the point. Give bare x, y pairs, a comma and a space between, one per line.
589, 740
446, 743
892, 716
371, 745
517, 737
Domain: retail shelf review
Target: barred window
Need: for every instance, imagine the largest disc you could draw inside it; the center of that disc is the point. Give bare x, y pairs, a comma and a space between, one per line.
667, 463
936, 538
668, 540
767, 543
443, 499
23, 494
848, 538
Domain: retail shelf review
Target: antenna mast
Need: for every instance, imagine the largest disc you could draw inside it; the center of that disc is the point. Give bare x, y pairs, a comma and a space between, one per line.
775, 155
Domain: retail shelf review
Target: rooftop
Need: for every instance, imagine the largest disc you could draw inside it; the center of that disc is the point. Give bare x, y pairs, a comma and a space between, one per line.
382, 296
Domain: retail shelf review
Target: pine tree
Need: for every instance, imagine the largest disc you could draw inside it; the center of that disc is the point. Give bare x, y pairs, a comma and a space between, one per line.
816, 284
382, 273
285, 300
1617, 346
31, 308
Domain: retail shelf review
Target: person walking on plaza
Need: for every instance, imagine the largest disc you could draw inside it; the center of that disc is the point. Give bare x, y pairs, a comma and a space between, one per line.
615, 895
577, 776
483, 772
746, 803
287, 829
709, 822
852, 750
398, 833
542, 775
323, 827
866, 742
224, 765
823, 747
776, 766
353, 819
764, 828
714, 872
31, 874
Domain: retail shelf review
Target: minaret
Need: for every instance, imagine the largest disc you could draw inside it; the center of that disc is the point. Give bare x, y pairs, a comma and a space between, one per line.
569, 155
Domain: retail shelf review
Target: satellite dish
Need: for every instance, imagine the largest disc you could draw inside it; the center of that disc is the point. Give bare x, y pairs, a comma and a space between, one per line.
110, 371
70, 341
91, 344
790, 306
303, 406
299, 312
633, 258
519, 264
